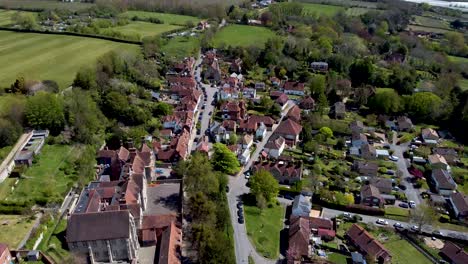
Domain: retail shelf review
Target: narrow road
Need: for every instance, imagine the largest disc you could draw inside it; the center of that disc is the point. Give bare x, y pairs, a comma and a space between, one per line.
237, 184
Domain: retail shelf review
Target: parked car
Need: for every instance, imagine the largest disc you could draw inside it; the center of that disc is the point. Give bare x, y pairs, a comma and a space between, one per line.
240, 220
381, 222
227, 188
210, 113
412, 204
393, 158
386, 146
288, 197
415, 228
390, 172
397, 225
401, 186
247, 175
239, 205
240, 213
403, 205
437, 233
347, 215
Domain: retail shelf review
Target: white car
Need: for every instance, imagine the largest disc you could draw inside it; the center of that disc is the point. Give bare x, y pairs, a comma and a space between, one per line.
247, 175
393, 158
412, 204
381, 222
415, 228
397, 225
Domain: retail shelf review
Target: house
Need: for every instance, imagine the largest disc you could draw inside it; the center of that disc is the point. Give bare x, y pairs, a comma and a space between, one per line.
247, 141
234, 110
249, 93
450, 155
301, 206
453, 253
275, 146
244, 157
213, 71
5, 255
285, 172
319, 66
367, 245
299, 238
294, 88
290, 131
261, 131
370, 196
458, 202
366, 168
105, 236
357, 126
260, 86
294, 114
253, 122
170, 245
368, 152
438, 162
323, 227
405, 124
282, 100
307, 103
275, 81
228, 93
358, 139
219, 131
229, 125
384, 185
443, 182
429, 136
236, 66
338, 110
437, 200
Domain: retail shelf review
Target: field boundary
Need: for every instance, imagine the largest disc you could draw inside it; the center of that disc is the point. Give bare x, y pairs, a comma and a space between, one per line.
72, 34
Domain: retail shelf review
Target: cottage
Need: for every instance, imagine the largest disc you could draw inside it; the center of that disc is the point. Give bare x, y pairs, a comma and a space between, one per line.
299, 238
358, 139
453, 253
405, 124
307, 103
339, 110
301, 206
443, 182
284, 172
290, 131
319, 66
294, 88
282, 101
458, 203
275, 146
450, 155
294, 114
366, 168
438, 162
367, 245
370, 196
234, 110
429, 136
384, 185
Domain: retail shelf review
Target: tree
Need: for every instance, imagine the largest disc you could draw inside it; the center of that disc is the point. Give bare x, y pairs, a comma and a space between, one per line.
326, 131
423, 215
199, 175
45, 111
19, 86
386, 101
264, 184
9, 132
224, 160
162, 109
322, 103
232, 139
85, 78
25, 20
423, 106
245, 19
317, 84
361, 72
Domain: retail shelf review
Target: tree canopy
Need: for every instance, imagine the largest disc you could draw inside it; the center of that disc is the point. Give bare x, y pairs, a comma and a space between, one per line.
45, 111
264, 184
224, 160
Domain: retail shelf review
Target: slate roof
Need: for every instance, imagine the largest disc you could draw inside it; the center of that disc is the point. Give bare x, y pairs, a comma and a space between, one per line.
369, 190
455, 253
444, 179
384, 185
460, 201
299, 233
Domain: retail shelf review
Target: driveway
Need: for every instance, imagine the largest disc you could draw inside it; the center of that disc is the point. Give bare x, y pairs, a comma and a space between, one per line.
237, 184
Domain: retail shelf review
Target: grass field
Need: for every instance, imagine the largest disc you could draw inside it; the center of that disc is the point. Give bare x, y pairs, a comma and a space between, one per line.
13, 228
143, 29
242, 35
430, 22
180, 47
47, 173
264, 228
5, 16
457, 59
427, 29
49, 57
338, 258
319, 9
166, 18
357, 11
396, 213
403, 252
463, 84
43, 5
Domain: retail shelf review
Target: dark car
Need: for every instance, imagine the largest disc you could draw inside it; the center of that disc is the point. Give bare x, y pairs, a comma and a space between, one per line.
239, 205
240, 213
288, 197
403, 205
227, 188
401, 186
240, 220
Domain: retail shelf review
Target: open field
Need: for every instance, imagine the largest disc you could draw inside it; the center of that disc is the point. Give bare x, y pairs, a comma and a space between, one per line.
264, 228
49, 57
173, 19
409, 255
143, 29
319, 9
357, 11
13, 228
180, 47
457, 59
463, 84
43, 5
427, 29
242, 35
5, 16
48, 172
430, 22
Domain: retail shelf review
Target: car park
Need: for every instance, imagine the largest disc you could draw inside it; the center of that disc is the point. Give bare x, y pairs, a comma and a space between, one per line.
381, 222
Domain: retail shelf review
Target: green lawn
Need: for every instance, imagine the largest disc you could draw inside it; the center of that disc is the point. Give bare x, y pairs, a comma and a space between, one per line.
319, 9
457, 59
47, 178
463, 84
242, 35
264, 228
357, 11
396, 213
5, 16
5, 150
180, 47
44, 5
166, 18
143, 29
431, 22
338, 258
13, 228
428, 29
403, 252
49, 57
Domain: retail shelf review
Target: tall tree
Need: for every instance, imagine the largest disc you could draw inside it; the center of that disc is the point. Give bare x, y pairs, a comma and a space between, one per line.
224, 160
45, 111
264, 184
423, 215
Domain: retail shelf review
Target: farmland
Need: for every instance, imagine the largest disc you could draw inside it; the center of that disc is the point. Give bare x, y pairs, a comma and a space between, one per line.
5, 16
319, 9
172, 19
49, 57
430, 22
43, 5
428, 29
142, 29
241, 35
180, 47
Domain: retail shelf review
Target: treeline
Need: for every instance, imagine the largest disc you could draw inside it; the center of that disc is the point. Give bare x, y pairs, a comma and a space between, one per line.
207, 210
198, 8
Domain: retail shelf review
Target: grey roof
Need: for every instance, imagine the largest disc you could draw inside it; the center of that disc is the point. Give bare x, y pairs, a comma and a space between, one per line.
98, 226
301, 204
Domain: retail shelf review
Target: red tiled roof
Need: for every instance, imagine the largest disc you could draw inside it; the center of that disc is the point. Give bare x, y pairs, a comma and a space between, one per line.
295, 113
366, 243
123, 154
275, 143
307, 103
455, 253
320, 223
289, 127
170, 244
282, 99
189, 82
326, 232
299, 233
293, 86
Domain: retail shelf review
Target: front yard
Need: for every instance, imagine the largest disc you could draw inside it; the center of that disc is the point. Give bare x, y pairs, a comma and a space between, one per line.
264, 227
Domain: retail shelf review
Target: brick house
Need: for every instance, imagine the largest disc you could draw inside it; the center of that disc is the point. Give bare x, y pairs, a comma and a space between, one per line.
290, 131
370, 196
367, 245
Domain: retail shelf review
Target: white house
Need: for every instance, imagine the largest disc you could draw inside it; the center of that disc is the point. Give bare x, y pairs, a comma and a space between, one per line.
274, 147
261, 131
247, 141
244, 157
